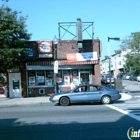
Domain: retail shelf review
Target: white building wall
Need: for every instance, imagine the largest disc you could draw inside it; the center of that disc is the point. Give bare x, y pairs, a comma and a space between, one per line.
116, 65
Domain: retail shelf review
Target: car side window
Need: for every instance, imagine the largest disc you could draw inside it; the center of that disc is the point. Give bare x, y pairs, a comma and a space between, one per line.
92, 88
81, 89
95, 88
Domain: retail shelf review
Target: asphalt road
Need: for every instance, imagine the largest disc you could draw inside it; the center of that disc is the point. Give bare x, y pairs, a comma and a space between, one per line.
128, 86
75, 122
131, 86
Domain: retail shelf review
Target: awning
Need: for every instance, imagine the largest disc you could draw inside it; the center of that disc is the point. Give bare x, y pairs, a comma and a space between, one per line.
61, 62
64, 62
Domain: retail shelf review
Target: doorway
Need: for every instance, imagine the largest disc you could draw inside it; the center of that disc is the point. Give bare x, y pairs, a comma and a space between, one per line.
84, 77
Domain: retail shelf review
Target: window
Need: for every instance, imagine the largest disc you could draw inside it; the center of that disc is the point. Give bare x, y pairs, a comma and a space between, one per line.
119, 63
81, 89
92, 88
40, 77
49, 77
31, 78
66, 77
46, 77
95, 88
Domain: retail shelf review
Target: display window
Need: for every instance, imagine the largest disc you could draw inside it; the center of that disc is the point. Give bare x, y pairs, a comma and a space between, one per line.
31, 78
66, 77
49, 77
40, 78
60, 82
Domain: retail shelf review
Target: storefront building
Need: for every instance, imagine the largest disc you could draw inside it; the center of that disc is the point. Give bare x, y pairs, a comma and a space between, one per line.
80, 65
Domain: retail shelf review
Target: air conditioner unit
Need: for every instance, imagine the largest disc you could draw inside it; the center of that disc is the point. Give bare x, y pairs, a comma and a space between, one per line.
42, 91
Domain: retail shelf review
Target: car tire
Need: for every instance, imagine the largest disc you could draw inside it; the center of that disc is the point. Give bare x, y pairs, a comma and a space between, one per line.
106, 100
64, 101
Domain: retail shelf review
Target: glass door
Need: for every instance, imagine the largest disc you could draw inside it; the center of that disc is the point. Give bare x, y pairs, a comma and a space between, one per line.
84, 77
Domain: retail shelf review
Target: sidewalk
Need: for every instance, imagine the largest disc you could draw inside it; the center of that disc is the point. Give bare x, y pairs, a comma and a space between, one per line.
8, 102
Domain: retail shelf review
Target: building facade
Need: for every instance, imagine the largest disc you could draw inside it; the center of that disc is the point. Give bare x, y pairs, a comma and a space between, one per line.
73, 65
117, 62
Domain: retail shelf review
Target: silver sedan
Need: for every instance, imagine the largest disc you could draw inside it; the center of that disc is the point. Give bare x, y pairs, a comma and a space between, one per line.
86, 93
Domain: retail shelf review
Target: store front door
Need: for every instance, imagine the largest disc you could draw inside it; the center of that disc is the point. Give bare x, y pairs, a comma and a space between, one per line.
84, 77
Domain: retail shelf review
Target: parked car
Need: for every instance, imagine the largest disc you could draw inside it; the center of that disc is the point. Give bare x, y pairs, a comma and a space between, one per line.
127, 76
138, 78
106, 79
86, 93
133, 77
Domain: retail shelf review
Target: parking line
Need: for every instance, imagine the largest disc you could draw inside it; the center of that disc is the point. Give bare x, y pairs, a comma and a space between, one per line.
125, 96
124, 112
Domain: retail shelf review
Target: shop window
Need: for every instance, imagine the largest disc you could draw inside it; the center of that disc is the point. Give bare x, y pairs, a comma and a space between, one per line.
31, 78
40, 78
60, 77
49, 77
75, 77
66, 77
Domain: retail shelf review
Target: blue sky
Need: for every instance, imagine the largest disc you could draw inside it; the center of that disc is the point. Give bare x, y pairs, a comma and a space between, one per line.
112, 18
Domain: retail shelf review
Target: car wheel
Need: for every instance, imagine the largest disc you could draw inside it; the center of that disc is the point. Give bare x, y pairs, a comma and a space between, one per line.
105, 100
64, 101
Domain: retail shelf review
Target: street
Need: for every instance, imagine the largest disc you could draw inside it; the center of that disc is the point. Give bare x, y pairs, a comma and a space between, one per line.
131, 86
75, 122
80, 121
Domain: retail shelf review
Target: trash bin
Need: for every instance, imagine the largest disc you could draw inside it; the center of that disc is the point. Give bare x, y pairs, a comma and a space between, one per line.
118, 84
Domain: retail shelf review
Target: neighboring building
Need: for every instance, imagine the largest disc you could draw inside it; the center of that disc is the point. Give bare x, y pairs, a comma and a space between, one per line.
117, 62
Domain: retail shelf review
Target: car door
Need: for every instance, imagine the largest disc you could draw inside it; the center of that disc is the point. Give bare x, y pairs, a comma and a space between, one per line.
79, 94
94, 93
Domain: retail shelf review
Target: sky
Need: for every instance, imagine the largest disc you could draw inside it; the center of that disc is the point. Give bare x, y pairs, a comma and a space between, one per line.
112, 18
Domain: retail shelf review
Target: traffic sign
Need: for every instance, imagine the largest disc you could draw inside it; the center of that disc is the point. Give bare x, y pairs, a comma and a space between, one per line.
55, 66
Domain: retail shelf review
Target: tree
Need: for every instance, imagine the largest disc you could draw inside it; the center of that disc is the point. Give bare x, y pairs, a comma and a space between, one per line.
13, 35
132, 45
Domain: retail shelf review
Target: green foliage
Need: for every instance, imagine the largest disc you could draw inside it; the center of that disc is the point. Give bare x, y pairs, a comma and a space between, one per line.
133, 56
13, 35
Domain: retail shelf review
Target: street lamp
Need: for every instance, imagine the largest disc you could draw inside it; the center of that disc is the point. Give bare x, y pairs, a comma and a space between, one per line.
55, 42
109, 58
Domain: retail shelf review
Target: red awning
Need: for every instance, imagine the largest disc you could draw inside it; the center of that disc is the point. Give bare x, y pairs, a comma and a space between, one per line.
64, 62
61, 62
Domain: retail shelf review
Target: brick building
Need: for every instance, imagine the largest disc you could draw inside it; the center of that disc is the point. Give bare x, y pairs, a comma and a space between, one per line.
39, 76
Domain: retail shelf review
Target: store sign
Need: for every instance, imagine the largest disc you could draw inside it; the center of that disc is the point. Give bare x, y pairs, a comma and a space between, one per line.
29, 52
45, 48
56, 67
75, 57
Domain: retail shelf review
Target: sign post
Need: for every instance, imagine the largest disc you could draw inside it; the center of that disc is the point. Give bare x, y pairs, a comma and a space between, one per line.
55, 72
